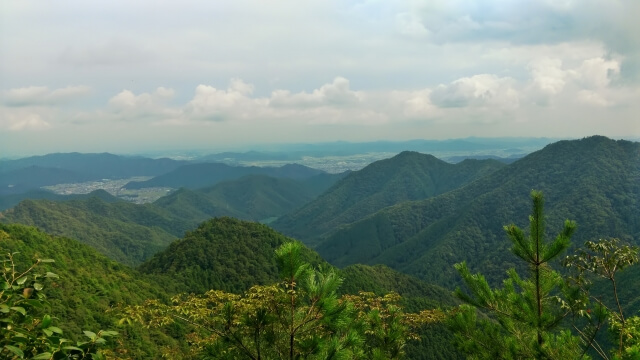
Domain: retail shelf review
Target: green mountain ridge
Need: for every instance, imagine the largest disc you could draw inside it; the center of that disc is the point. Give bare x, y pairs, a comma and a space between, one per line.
406, 176
595, 181
252, 197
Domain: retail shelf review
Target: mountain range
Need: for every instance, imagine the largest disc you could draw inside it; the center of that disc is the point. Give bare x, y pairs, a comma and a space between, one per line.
594, 181
406, 176
396, 225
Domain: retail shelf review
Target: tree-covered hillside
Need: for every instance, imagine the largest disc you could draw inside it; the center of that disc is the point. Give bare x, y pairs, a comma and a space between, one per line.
123, 231
223, 254
131, 233
253, 197
594, 181
406, 176
232, 255
87, 288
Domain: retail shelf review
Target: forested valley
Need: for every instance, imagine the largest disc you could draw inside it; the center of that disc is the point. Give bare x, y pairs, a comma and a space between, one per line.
410, 257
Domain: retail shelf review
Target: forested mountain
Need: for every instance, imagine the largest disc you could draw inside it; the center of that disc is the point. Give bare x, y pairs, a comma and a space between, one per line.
594, 181
88, 287
131, 233
25, 174
406, 176
207, 174
11, 200
222, 253
253, 197
232, 255
126, 232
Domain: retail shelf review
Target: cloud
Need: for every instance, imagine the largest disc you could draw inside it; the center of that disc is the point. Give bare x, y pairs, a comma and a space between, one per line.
24, 119
41, 95
128, 106
597, 72
588, 83
214, 104
336, 94
411, 25
483, 90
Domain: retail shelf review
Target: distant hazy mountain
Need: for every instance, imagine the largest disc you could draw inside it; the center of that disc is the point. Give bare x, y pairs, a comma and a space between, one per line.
471, 144
207, 174
21, 175
406, 176
506, 160
595, 181
33, 177
103, 165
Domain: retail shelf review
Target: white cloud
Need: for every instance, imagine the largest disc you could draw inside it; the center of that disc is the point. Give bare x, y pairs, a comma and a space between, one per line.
336, 94
128, 106
214, 104
597, 72
24, 119
411, 25
417, 104
41, 95
483, 90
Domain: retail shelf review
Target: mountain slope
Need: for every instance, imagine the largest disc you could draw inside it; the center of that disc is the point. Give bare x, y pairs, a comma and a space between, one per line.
131, 233
407, 176
222, 253
595, 181
253, 197
88, 287
207, 174
123, 231
232, 255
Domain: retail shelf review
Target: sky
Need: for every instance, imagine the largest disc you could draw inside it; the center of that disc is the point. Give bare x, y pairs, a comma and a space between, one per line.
132, 76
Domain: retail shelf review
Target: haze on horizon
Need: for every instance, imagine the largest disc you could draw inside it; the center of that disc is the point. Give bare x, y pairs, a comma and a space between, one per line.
150, 75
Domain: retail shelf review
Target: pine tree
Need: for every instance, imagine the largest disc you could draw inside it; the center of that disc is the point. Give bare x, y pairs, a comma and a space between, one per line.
525, 314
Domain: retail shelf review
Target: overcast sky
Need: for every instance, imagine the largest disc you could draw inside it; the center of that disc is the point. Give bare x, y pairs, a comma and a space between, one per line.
130, 76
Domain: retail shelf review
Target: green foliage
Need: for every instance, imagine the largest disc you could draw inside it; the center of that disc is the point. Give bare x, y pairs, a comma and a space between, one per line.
300, 317
125, 232
224, 254
603, 259
88, 287
527, 312
27, 329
